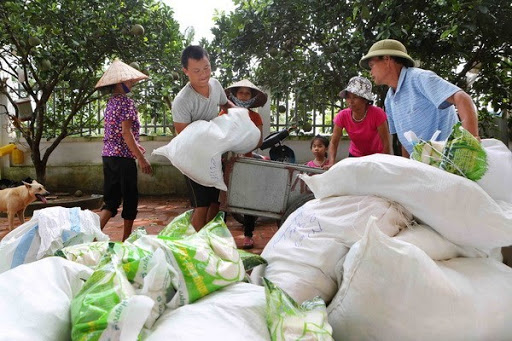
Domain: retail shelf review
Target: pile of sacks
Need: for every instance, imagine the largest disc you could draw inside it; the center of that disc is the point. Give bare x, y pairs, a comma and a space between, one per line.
178, 285
389, 249
401, 250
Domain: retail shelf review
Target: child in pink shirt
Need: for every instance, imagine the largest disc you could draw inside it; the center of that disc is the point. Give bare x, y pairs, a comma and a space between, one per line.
319, 146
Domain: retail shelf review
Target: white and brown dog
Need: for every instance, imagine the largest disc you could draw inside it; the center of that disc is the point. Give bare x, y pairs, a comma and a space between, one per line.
15, 200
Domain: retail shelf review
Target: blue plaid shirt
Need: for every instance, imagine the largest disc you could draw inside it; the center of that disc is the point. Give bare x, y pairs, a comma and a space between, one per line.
419, 104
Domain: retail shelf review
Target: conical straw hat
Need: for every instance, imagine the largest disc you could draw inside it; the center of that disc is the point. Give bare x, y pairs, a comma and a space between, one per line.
119, 72
261, 97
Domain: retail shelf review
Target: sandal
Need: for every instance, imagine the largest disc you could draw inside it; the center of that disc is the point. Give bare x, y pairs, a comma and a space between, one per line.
248, 243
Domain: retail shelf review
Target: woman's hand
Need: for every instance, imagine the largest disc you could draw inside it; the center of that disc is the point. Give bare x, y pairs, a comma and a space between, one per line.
145, 166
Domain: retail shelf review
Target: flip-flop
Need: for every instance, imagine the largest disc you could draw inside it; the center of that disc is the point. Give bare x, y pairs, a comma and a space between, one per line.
248, 243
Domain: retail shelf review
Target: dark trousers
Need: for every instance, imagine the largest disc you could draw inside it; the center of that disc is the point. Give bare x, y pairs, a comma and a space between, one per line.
249, 223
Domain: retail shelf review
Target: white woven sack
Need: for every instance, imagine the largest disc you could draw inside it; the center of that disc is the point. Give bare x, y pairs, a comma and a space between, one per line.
497, 181
304, 254
61, 226
454, 206
234, 313
436, 246
35, 299
393, 291
197, 150
20, 246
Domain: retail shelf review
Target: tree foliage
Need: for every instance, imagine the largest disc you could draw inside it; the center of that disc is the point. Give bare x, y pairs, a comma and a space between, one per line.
66, 45
312, 48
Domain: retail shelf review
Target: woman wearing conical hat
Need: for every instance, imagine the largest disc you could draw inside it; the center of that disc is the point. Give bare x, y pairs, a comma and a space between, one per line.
244, 94
121, 145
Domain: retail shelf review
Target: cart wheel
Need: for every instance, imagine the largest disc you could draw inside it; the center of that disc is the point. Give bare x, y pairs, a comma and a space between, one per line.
294, 206
239, 217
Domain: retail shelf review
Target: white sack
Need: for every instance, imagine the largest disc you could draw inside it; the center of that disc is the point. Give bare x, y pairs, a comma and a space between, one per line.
236, 312
497, 181
304, 254
20, 246
48, 230
436, 246
35, 299
60, 227
454, 206
393, 291
197, 150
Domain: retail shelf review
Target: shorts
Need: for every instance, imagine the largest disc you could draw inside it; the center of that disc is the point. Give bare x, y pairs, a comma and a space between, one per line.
120, 185
201, 196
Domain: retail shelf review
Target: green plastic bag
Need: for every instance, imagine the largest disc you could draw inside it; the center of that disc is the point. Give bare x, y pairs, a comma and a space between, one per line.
287, 320
179, 227
88, 254
464, 155
429, 152
107, 306
461, 154
207, 261
250, 259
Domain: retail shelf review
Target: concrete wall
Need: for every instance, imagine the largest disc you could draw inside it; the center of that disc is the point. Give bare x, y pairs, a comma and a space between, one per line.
76, 164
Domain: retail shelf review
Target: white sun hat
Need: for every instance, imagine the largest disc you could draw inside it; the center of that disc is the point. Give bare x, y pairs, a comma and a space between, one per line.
119, 72
359, 86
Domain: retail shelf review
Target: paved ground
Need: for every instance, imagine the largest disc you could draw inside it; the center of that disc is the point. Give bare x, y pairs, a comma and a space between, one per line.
156, 212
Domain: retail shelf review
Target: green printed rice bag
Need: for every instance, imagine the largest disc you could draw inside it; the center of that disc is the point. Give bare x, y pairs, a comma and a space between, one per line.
130, 257
461, 154
154, 280
88, 254
207, 261
107, 308
250, 259
286, 320
149, 273
464, 155
179, 227
429, 152
139, 232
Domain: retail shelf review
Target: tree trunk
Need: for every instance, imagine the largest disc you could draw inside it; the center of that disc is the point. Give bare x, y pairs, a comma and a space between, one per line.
40, 168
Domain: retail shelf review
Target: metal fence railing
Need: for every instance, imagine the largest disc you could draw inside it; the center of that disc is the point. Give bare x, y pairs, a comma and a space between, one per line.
285, 112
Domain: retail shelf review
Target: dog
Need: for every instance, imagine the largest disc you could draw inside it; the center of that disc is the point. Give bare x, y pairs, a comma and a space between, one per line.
15, 200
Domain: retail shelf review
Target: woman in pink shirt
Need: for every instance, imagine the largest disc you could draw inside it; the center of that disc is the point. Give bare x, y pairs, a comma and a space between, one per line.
365, 123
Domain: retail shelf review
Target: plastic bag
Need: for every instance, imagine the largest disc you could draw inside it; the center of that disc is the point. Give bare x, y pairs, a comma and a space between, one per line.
207, 261
461, 154
179, 226
107, 307
288, 320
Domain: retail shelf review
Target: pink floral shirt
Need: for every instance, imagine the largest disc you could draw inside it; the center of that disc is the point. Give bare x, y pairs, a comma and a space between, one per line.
119, 108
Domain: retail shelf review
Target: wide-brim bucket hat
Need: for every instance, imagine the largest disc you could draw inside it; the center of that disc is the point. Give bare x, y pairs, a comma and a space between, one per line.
359, 86
387, 47
261, 97
119, 72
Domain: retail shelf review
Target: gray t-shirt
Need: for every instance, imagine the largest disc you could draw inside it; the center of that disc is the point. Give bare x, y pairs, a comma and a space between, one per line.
190, 106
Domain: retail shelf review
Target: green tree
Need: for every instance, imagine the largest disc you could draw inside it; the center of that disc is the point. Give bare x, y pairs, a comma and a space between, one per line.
66, 44
312, 48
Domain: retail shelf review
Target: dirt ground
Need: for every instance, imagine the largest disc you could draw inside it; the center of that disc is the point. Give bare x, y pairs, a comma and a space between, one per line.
154, 213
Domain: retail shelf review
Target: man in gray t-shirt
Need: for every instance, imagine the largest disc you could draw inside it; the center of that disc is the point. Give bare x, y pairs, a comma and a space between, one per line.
200, 99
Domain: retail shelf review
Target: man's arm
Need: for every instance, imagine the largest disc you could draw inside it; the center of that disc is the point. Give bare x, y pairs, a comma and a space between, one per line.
383, 132
466, 110
180, 126
228, 105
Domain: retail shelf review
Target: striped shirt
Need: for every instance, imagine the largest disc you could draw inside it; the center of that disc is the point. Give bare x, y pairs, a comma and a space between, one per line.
419, 104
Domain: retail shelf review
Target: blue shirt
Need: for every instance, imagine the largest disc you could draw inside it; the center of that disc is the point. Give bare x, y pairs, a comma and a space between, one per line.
419, 104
